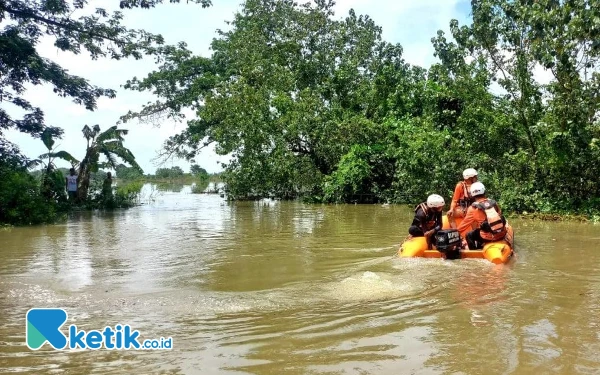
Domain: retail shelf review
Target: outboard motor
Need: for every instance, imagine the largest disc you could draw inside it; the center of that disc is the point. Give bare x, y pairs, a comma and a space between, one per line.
448, 242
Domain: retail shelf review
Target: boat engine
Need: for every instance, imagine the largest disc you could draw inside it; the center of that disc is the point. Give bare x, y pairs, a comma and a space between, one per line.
448, 242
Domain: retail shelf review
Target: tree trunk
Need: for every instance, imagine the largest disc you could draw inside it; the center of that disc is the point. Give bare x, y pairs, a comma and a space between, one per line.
83, 182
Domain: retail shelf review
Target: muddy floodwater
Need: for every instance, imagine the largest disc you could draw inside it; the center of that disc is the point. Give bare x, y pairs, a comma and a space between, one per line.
279, 288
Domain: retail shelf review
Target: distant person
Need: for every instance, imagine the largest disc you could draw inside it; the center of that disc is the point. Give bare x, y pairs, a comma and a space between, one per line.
71, 184
484, 219
462, 199
428, 218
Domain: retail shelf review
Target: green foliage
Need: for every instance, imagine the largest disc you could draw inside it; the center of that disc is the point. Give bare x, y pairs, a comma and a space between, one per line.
53, 186
108, 144
288, 92
201, 174
101, 34
349, 178
554, 166
128, 194
200, 187
196, 170
47, 159
312, 107
172, 172
128, 173
73, 28
106, 197
152, 3
20, 200
52, 180
323, 109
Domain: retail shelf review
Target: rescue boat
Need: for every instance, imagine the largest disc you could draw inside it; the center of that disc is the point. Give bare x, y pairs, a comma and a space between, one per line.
498, 252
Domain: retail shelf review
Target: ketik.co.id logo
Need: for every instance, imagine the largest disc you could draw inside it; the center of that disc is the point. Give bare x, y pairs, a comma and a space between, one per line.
43, 325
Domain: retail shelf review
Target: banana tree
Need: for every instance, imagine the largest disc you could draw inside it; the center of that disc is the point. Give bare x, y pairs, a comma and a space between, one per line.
52, 183
109, 144
47, 159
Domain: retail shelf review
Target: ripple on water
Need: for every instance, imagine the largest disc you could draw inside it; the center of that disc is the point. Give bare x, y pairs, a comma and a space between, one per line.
280, 287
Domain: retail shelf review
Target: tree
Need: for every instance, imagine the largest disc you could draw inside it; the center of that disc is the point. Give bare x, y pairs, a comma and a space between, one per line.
52, 186
101, 34
288, 92
20, 198
127, 173
196, 170
109, 144
48, 158
172, 172
556, 122
309, 106
199, 172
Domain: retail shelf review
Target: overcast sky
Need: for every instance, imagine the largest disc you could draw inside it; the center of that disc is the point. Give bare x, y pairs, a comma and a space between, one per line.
411, 23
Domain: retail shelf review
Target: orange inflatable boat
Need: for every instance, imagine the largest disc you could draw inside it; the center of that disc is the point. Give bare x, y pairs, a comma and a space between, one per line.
498, 252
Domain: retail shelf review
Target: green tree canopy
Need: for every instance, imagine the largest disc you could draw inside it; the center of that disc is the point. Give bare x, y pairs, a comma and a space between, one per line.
309, 105
74, 26
172, 172
197, 170
128, 173
288, 91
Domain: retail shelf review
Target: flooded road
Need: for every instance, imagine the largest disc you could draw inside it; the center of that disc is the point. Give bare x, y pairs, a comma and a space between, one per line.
285, 288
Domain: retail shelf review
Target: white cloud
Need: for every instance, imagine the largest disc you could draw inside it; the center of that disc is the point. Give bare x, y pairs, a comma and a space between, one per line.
411, 23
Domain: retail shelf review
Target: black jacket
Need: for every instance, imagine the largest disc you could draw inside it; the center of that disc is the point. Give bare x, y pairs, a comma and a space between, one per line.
425, 219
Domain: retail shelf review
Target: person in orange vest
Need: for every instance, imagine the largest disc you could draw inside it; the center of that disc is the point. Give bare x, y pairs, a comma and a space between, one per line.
462, 199
485, 218
428, 218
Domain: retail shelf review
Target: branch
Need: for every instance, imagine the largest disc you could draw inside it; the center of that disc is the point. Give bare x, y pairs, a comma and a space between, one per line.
499, 67
154, 114
30, 14
520, 104
147, 4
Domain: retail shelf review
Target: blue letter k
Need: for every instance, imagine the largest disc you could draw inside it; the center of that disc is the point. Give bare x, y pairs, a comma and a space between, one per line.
43, 325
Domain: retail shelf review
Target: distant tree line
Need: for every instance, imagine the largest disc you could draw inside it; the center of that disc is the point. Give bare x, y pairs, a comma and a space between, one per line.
196, 173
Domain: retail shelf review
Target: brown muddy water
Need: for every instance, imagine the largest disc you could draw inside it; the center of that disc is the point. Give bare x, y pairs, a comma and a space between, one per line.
284, 288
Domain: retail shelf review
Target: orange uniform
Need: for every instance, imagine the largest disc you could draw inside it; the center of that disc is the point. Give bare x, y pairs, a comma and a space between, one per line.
476, 216
462, 197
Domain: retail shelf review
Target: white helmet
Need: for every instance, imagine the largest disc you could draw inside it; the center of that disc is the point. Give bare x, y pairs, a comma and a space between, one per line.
469, 172
435, 200
477, 189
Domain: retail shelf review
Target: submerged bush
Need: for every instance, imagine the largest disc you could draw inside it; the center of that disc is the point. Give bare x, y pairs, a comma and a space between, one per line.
21, 202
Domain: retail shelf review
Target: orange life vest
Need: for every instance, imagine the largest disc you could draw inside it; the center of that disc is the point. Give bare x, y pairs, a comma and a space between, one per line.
493, 228
430, 223
467, 199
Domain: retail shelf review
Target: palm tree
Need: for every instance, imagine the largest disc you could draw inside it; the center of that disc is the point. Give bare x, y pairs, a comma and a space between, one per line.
108, 143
